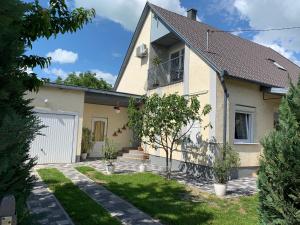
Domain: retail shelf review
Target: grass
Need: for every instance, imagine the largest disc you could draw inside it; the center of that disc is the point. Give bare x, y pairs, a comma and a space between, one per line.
80, 207
172, 203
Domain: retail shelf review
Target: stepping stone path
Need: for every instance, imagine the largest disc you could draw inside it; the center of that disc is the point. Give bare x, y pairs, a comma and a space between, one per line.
45, 207
117, 207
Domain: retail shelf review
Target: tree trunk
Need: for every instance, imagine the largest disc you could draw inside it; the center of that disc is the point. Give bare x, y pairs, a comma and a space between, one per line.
167, 163
170, 164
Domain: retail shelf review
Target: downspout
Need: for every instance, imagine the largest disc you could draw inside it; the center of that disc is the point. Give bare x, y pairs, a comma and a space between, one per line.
226, 96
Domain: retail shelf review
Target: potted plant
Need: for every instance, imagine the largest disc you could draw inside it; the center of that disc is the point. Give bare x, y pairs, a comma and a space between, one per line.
156, 61
110, 154
224, 162
87, 142
143, 165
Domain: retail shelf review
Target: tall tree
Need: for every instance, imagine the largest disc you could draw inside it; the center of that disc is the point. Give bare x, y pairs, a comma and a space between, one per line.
22, 24
279, 174
164, 122
86, 79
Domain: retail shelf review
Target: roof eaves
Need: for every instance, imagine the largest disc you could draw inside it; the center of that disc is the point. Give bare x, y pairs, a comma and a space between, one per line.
91, 90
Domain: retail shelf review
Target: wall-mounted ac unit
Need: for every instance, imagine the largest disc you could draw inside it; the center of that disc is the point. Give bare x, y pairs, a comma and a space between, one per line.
141, 51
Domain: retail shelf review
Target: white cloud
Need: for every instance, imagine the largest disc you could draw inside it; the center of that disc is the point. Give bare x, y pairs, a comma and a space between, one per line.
56, 72
265, 14
127, 12
116, 55
63, 56
110, 78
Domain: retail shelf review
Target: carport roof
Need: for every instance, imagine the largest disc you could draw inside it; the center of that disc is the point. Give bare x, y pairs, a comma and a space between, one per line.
98, 96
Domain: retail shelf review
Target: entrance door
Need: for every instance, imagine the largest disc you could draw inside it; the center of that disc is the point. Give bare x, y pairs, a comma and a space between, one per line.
99, 126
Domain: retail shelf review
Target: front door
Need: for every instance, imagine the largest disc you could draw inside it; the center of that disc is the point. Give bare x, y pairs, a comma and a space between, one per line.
99, 126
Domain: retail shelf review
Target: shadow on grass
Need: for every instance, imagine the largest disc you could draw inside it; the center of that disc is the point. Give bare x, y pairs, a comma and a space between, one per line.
160, 198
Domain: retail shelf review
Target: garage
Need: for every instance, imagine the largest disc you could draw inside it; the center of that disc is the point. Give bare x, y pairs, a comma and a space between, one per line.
58, 139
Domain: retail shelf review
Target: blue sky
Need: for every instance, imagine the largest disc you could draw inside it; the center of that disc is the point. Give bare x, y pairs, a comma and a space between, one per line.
101, 45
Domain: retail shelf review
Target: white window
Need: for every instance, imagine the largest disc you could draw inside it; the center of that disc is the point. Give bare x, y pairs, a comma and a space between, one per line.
177, 65
243, 127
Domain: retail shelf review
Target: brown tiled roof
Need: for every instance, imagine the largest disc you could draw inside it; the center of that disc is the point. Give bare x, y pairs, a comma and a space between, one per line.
241, 58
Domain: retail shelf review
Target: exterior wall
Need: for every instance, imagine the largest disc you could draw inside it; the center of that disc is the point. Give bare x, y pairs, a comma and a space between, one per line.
114, 122
61, 100
198, 77
247, 94
134, 79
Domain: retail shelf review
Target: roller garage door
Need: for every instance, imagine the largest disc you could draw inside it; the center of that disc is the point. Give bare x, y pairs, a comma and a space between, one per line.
57, 142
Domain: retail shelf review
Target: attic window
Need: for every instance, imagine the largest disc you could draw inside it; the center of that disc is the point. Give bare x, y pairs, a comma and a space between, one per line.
277, 64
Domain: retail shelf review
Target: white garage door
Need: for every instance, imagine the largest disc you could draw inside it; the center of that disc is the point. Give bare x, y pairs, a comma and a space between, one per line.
56, 143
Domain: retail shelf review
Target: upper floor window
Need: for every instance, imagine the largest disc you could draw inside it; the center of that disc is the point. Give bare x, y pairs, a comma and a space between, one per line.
177, 65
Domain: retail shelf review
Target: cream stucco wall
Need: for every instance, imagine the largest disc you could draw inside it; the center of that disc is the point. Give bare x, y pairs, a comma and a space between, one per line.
134, 78
60, 100
198, 77
247, 94
115, 121
201, 79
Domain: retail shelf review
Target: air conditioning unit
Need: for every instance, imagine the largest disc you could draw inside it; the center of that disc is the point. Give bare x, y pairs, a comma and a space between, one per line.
141, 51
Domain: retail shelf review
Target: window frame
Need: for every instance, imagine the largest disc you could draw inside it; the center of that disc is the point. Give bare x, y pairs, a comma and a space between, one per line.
181, 58
250, 132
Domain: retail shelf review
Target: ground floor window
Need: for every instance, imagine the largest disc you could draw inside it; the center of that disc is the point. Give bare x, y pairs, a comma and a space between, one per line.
243, 127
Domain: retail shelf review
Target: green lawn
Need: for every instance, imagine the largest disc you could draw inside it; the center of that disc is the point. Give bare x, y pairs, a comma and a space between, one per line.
172, 203
80, 207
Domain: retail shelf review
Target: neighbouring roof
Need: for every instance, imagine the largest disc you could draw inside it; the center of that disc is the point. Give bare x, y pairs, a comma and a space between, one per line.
242, 59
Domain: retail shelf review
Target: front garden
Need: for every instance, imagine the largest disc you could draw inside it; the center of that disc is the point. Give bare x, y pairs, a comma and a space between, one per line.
166, 200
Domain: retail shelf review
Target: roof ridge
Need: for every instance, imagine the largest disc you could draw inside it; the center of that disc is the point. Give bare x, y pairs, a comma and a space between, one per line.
217, 29
185, 17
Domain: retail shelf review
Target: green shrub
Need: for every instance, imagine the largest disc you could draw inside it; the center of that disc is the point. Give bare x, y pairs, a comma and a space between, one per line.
225, 161
87, 142
279, 174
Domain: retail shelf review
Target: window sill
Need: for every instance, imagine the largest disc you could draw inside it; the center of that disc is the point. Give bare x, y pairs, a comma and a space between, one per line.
245, 143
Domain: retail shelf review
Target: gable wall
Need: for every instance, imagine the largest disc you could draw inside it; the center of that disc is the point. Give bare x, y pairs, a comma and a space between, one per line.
134, 79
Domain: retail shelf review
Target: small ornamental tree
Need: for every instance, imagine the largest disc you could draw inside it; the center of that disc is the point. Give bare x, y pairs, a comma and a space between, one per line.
164, 122
279, 174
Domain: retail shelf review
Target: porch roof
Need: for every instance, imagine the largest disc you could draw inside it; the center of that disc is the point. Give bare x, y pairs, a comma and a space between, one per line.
98, 96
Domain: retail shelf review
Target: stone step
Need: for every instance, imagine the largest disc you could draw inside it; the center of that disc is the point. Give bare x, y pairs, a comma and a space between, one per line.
128, 159
135, 151
132, 156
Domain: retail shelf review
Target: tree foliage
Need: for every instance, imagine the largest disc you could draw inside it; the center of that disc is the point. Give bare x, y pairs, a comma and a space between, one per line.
21, 24
86, 79
164, 122
279, 174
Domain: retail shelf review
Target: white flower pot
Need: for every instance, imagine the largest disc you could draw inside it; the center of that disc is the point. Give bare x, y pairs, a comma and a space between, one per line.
142, 167
83, 156
220, 189
110, 169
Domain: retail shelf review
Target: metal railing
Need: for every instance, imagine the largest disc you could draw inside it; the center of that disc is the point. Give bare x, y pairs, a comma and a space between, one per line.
166, 73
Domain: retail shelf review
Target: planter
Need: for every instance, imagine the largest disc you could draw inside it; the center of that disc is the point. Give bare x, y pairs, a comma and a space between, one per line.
220, 189
143, 167
110, 169
83, 156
